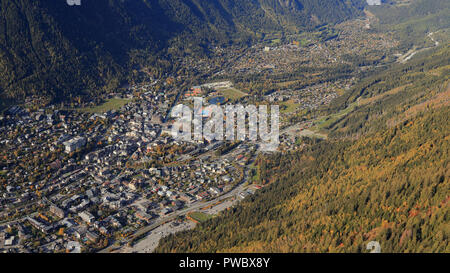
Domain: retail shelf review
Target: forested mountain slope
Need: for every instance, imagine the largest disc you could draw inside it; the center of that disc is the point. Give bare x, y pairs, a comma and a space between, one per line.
383, 176
412, 20
53, 49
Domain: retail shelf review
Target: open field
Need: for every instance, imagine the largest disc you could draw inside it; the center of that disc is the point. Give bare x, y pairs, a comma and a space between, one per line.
330, 119
290, 105
111, 104
232, 93
275, 42
200, 216
312, 134
297, 131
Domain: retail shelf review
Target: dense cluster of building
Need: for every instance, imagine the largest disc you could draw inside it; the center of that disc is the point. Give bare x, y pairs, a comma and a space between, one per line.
106, 175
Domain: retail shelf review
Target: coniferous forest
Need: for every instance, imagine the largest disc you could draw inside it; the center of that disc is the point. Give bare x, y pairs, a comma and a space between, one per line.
383, 176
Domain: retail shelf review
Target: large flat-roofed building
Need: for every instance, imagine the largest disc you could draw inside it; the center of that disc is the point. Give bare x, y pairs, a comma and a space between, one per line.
39, 226
87, 217
57, 211
74, 144
374, 2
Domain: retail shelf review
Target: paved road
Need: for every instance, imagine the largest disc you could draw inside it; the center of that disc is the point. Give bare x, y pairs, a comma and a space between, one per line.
234, 192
